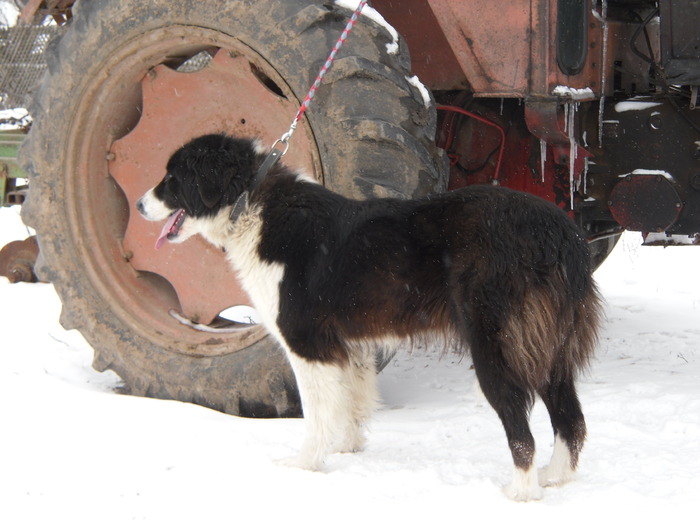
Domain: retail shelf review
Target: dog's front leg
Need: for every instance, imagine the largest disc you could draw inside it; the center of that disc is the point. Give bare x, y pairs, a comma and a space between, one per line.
327, 404
361, 376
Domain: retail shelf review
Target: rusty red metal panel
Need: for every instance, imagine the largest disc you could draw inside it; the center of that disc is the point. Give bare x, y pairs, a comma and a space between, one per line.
491, 42
498, 49
432, 58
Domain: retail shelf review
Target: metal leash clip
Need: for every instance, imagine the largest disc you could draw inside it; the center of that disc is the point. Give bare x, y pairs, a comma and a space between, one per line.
275, 155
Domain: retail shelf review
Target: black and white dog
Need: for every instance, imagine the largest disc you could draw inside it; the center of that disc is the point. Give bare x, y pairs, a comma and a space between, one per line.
499, 273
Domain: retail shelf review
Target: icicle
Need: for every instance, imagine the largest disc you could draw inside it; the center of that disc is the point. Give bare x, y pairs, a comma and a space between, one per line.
601, 107
543, 157
603, 79
570, 116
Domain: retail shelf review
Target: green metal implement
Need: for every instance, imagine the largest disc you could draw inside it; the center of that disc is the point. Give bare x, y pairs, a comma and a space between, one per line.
12, 184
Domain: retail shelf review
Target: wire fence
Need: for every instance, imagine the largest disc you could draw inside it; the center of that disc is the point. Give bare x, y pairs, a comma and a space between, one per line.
22, 61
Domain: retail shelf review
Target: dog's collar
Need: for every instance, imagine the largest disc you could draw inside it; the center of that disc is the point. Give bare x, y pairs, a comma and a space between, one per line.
242, 201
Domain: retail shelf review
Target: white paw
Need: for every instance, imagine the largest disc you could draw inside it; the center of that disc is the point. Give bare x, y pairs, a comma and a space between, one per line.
350, 449
300, 462
559, 470
353, 444
524, 486
517, 492
553, 477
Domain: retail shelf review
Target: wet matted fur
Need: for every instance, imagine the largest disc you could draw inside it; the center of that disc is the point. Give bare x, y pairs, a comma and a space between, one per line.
501, 274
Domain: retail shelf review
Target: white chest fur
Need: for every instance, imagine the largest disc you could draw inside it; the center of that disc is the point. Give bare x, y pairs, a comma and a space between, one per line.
260, 279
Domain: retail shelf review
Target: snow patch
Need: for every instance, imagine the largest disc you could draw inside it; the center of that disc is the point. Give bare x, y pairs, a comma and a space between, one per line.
11, 119
635, 105
74, 451
668, 239
415, 82
8, 14
574, 93
241, 314
641, 171
206, 328
393, 47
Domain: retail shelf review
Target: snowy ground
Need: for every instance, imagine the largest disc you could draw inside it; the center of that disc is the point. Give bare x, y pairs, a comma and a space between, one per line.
72, 451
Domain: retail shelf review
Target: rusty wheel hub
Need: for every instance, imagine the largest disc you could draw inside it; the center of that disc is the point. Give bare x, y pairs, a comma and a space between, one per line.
232, 94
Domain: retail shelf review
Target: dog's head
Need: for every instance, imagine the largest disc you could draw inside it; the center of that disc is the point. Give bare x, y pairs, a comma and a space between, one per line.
203, 180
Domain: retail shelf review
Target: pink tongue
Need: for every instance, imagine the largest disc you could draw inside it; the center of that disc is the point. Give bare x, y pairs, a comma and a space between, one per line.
166, 229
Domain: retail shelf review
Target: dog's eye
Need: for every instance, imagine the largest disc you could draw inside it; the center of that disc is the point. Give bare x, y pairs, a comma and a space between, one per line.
167, 177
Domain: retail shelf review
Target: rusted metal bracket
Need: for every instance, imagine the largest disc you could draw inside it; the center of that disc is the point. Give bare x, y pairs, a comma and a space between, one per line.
17, 260
546, 120
60, 10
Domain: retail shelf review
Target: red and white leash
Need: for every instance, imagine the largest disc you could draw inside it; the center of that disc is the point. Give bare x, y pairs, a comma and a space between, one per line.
278, 153
329, 61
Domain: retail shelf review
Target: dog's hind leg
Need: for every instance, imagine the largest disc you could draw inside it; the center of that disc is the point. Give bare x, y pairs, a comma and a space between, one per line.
569, 431
327, 404
512, 403
559, 391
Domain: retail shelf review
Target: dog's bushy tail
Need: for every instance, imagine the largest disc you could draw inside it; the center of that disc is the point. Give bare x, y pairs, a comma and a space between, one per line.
552, 336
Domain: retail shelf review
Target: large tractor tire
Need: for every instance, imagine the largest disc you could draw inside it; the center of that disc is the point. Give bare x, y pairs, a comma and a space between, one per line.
125, 88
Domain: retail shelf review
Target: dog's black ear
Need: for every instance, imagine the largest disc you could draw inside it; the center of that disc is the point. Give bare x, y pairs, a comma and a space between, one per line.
210, 191
209, 175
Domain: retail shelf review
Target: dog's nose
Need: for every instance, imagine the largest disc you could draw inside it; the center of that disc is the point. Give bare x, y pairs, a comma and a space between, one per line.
140, 206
